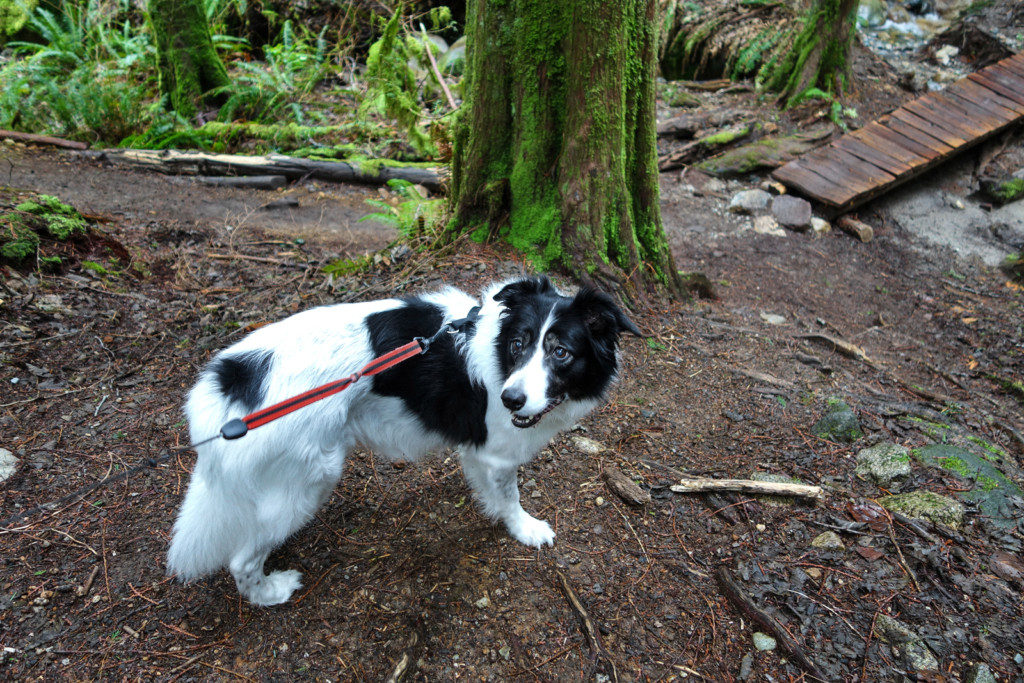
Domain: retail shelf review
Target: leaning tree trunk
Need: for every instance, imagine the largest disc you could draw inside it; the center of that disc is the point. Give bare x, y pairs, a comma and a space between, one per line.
189, 65
818, 59
555, 146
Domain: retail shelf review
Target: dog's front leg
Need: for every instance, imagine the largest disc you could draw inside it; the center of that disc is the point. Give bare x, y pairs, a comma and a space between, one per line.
496, 488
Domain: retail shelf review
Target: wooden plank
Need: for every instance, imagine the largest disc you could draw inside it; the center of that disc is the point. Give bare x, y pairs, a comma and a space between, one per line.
954, 122
985, 97
856, 166
859, 149
972, 112
994, 112
946, 138
811, 184
834, 171
870, 136
917, 135
894, 140
985, 81
1006, 76
1012, 65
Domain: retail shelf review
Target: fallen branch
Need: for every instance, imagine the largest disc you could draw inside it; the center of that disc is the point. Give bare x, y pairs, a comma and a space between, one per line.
840, 346
748, 486
252, 182
625, 488
719, 505
202, 163
42, 139
590, 630
402, 666
738, 597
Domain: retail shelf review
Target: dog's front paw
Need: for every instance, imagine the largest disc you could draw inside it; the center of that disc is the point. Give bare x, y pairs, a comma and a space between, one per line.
531, 531
276, 588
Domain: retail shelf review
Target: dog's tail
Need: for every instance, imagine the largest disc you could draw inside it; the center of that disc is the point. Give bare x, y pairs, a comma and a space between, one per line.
205, 534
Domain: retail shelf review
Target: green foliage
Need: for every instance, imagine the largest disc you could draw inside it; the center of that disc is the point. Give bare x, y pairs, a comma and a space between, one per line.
88, 78
60, 220
273, 90
412, 214
13, 15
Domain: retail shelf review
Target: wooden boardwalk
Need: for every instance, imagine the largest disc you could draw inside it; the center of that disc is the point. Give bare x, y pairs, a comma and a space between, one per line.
912, 139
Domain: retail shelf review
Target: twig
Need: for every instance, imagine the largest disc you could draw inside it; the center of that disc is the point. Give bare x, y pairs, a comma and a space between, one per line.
437, 72
589, 627
748, 486
739, 598
42, 139
84, 590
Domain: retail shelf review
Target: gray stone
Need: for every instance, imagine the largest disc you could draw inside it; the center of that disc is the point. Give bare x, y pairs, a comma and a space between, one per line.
792, 212
820, 226
926, 505
773, 318
979, 673
884, 463
746, 666
749, 201
764, 642
906, 644
993, 492
587, 446
828, 540
872, 13
766, 225
839, 423
8, 463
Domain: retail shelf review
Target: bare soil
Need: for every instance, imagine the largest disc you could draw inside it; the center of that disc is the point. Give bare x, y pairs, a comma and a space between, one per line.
401, 570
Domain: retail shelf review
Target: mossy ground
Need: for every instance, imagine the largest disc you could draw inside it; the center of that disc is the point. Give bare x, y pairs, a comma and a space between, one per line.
27, 225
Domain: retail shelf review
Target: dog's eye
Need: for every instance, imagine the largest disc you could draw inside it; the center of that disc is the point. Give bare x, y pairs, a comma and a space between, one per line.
560, 352
516, 346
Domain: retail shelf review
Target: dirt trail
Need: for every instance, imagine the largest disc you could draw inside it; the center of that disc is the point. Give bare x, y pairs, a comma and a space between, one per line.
325, 211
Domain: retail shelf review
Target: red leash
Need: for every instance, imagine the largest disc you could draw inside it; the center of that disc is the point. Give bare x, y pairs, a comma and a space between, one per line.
239, 427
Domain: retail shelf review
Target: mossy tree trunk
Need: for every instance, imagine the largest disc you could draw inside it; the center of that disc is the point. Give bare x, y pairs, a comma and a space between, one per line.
818, 58
189, 65
555, 144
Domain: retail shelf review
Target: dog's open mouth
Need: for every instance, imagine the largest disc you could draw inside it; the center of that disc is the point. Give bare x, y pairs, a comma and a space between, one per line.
526, 421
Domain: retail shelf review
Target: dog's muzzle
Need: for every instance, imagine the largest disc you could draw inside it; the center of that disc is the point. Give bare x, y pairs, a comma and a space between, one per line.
524, 421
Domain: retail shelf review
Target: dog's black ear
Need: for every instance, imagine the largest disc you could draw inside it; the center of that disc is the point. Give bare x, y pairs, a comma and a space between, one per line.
602, 315
528, 286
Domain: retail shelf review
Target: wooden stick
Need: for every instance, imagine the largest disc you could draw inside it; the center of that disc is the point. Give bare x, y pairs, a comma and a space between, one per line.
748, 486
437, 72
589, 627
42, 139
738, 597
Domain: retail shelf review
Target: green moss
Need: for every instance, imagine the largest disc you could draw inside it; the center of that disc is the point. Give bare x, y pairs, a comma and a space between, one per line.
13, 15
60, 220
956, 465
19, 241
23, 229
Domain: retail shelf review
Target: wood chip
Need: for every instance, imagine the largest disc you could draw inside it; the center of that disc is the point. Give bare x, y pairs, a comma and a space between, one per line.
625, 488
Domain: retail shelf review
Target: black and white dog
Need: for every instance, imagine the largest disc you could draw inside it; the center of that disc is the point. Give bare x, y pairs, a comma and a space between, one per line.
533, 363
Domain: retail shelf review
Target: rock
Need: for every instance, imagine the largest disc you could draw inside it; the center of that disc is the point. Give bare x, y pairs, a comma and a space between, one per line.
872, 13
764, 642
839, 423
906, 644
993, 492
746, 666
1007, 567
773, 319
792, 212
8, 464
979, 673
914, 79
946, 53
587, 446
749, 201
884, 463
51, 303
765, 154
828, 540
820, 226
483, 603
766, 225
926, 505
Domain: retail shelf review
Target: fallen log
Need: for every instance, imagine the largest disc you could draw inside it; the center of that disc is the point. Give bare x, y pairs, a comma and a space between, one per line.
251, 182
771, 488
42, 139
201, 163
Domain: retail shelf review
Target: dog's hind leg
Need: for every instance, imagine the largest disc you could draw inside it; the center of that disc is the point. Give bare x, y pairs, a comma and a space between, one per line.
496, 488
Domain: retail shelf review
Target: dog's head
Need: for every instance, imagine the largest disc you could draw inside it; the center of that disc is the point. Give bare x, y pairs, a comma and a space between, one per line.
553, 347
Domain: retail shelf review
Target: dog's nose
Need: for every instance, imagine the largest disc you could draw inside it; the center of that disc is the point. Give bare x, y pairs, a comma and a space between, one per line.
514, 399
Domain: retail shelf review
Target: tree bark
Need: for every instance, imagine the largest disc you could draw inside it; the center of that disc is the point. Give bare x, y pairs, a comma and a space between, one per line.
189, 65
555, 145
818, 59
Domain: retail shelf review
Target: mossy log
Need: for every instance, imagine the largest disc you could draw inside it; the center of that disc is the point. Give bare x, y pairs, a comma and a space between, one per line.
373, 172
555, 143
